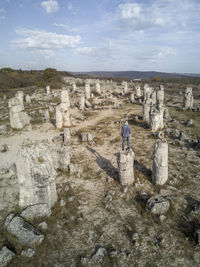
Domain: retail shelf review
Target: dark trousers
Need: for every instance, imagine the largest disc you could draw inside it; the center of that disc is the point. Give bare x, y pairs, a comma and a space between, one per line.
124, 140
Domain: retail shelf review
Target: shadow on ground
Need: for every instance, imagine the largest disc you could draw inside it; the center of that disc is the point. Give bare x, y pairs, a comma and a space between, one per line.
105, 165
141, 168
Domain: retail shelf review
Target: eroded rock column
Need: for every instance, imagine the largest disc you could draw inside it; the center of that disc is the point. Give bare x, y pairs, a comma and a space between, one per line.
126, 170
48, 90
188, 98
160, 162
146, 110
67, 136
137, 90
36, 175
82, 102
87, 90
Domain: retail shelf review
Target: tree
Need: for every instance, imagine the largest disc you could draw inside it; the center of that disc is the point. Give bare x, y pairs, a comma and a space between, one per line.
49, 74
157, 79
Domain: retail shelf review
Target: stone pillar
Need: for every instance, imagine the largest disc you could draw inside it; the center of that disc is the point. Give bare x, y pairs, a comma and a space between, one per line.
154, 97
63, 158
160, 163
146, 110
188, 98
147, 92
59, 118
65, 98
155, 119
20, 96
132, 98
82, 102
87, 90
36, 175
28, 99
137, 90
18, 118
73, 87
67, 136
125, 87
98, 88
48, 90
46, 115
126, 170
160, 96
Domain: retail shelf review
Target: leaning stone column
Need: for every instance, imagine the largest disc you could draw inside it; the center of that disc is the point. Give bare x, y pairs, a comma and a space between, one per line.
160, 162
126, 171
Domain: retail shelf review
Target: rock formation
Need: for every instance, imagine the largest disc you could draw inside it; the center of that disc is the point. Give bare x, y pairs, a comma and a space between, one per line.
62, 111
137, 90
188, 98
154, 97
18, 118
48, 90
125, 87
132, 98
67, 136
160, 163
73, 87
28, 99
98, 88
156, 118
36, 175
146, 110
82, 102
126, 170
160, 95
147, 92
87, 90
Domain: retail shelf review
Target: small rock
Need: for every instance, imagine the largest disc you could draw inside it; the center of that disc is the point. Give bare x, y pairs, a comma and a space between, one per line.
4, 148
6, 256
99, 255
28, 253
43, 225
75, 168
162, 218
71, 198
158, 205
36, 211
189, 122
66, 188
62, 203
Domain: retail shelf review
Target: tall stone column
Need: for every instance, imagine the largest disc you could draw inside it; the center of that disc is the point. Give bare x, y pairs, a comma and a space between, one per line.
146, 110
48, 89
65, 98
160, 162
160, 95
73, 87
82, 102
126, 170
132, 98
98, 88
137, 90
87, 90
67, 136
36, 175
188, 98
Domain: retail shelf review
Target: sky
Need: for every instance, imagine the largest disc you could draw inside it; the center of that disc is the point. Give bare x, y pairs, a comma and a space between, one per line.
101, 35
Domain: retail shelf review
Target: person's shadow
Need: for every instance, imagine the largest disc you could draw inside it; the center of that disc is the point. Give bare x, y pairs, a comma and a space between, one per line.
105, 165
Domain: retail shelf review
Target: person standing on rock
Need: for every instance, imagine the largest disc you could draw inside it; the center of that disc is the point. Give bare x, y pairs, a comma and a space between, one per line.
125, 133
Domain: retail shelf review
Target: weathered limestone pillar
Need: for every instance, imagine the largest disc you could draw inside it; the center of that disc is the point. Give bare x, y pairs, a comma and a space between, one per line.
188, 98
82, 102
160, 95
73, 87
160, 162
48, 90
65, 98
18, 118
28, 99
126, 170
20, 96
146, 110
156, 119
87, 90
36, 175
59, 118
154, 97
63, 158
98, 88
137, 90
67, 136
125, 87
132, 98
147, 92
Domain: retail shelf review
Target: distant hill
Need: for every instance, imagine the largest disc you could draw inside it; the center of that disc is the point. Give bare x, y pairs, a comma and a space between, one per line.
136, 74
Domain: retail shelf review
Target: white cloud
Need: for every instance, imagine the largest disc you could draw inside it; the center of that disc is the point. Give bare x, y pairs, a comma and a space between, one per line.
2, 17
130, 10
103, 53
50, 6
69, 6
2, 10
167, 14
37, 39
45, 53
66, 26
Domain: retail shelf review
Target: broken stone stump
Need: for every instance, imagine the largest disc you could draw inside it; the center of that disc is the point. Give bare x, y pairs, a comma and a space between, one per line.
67, 136
36, 175
126, 170
86, 137
63, 155
25, 233
160, 163
36, 211
28, 99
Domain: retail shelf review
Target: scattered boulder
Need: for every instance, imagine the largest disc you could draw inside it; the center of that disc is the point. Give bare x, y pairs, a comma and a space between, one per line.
6, 256
86, 137
158, 204
25, 233
99, 255
36, 211
75, 168
189, 122
29, 253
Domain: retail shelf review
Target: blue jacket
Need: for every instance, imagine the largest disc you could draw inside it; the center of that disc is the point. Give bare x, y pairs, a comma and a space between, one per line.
126, 131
